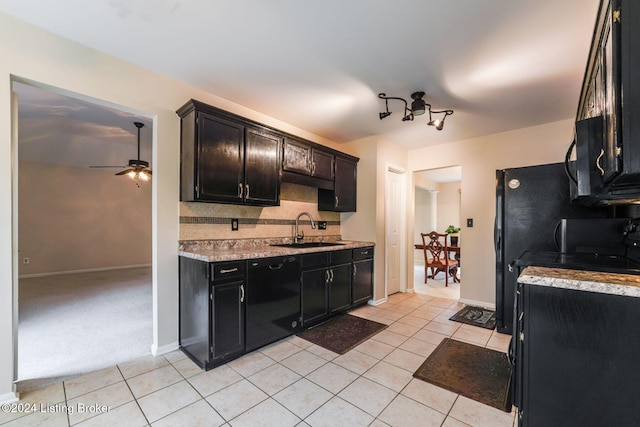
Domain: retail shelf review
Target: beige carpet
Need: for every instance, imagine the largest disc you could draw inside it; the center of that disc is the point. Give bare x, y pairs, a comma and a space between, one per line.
76, 323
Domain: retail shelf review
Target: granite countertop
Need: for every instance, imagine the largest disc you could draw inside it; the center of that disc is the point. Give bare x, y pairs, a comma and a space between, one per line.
233, 250
582, 280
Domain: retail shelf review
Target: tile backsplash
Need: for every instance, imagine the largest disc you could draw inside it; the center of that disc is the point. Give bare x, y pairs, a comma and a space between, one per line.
204, 221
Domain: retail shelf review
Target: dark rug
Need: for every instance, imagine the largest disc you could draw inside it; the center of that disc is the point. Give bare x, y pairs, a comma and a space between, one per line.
342, 333
476, 316
475, 372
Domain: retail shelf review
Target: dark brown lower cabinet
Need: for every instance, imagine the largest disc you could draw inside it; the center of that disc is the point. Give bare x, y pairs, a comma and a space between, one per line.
362, 283
576, 358
326, 285
211, 310
222, 318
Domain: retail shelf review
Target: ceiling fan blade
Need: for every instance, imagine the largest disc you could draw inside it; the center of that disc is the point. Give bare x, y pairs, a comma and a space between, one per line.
94, 167
126, 171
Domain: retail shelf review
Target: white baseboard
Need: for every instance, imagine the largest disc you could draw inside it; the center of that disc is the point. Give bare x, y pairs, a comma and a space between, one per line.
167, 348
478, 303
9, 398
377, 302
88, 270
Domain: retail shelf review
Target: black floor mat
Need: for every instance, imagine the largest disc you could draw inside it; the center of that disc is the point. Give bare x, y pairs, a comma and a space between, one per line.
476, 316
342, 333
475, 372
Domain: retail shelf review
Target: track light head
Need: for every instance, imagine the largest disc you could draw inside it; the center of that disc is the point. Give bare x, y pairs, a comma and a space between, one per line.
384, 114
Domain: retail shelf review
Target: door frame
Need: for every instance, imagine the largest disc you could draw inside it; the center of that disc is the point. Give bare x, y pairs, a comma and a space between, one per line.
155, 349
402, 174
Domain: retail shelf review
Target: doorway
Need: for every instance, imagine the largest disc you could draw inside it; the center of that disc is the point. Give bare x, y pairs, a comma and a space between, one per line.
83, 235
437, 199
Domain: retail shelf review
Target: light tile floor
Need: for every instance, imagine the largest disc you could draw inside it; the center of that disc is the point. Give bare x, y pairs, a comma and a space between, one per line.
289, 383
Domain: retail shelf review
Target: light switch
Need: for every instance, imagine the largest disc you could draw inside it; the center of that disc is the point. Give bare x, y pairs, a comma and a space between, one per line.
469, 222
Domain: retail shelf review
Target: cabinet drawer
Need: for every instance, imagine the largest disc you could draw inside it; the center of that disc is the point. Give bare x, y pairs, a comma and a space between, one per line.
340, 257
314, 260
362, 253
227, 270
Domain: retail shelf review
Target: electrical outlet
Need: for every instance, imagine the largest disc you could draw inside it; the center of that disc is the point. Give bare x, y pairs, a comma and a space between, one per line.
234, 224
26, 260
322, 225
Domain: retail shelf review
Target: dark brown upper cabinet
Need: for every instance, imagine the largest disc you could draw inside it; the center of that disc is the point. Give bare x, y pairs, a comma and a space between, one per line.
296, 157
304, 163
322, 164
343, 196
607, 140
225, 159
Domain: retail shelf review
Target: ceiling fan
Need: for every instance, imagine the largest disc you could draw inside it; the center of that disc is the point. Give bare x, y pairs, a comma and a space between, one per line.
137, 169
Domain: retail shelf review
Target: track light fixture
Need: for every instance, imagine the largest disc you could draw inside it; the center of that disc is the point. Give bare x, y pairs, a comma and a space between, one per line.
418, 108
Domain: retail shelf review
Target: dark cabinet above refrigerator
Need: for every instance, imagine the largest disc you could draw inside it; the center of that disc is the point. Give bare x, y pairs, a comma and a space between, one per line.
607, 137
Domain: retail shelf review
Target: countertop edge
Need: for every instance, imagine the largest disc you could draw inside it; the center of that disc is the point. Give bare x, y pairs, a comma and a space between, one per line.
265, 251
582, 280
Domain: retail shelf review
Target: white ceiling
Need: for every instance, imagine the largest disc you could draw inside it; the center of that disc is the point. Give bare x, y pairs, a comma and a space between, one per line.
442, 175
499, 64
56, 129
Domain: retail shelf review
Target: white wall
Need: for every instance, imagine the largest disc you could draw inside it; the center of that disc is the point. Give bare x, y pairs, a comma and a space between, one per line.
36, 56
480, 158
448, 205
74, 219
368, 223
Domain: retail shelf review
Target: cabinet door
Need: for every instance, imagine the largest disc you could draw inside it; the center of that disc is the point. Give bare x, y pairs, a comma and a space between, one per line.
340, 288
262, 167
314, 295
297, 157
219, 159
609, 92
227, 319
362, 284
579, 358
343, 197
322, 164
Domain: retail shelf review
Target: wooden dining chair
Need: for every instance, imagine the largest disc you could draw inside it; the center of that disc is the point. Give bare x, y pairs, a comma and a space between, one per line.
436, 257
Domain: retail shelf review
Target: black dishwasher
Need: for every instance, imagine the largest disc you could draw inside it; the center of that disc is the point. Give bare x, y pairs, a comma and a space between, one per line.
273, 300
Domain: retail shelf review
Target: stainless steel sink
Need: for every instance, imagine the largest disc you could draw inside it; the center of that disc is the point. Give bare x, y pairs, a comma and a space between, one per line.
307, 245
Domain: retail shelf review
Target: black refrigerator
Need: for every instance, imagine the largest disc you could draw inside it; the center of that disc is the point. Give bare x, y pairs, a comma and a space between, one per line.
530, 204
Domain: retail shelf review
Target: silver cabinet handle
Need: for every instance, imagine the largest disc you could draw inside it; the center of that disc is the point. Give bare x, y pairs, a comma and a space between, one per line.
231, 270
326, 276
598, 161
241, 293
240, 190
331, 275
355, 269
247, 187
313, 168
336, 201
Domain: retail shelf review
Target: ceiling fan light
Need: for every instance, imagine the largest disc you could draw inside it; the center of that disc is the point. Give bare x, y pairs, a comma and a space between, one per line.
143, 176
133, 175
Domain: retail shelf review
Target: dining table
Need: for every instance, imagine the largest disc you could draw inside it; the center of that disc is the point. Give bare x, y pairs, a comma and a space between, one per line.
451, 248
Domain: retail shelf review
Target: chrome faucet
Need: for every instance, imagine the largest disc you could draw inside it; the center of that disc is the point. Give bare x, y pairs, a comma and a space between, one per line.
300, 235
